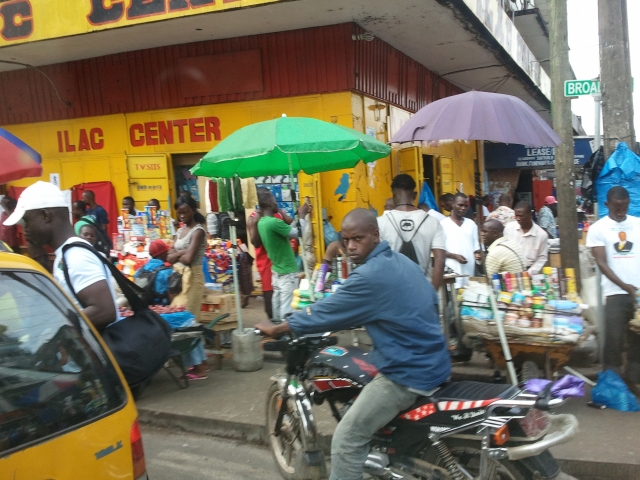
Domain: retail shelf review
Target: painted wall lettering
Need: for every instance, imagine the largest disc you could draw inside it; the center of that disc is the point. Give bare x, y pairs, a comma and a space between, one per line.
104, 11
87, 141
101, 14
148, 166
17, 19
201, 129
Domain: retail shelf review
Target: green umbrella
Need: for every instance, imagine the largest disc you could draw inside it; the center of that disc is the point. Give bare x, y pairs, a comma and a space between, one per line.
288, 145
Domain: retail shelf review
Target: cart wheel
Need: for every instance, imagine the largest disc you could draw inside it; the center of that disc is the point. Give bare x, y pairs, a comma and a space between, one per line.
530, 371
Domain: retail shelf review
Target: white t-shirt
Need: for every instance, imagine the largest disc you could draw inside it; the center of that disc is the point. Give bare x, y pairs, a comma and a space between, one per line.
462, 240
437, 215
621, 241
428, 236
85, 269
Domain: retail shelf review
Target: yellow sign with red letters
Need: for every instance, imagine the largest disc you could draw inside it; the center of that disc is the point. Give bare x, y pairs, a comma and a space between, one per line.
23, 21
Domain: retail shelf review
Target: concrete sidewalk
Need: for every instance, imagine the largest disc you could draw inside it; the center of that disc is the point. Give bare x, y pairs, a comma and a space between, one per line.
231, 404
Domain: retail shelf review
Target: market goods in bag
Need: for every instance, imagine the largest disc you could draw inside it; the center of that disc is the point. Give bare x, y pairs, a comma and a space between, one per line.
614, 393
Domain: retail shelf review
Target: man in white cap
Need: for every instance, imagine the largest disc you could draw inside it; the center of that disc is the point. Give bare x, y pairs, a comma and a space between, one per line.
45, 212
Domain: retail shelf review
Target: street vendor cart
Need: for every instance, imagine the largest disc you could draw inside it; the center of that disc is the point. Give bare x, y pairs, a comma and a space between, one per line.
542, 320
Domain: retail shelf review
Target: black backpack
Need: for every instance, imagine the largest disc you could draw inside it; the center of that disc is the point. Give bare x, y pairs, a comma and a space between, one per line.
407, 248
146, 280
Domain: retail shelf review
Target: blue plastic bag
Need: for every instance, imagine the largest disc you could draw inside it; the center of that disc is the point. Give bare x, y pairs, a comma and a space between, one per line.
622, 168
426, 196
178, 319
614, 393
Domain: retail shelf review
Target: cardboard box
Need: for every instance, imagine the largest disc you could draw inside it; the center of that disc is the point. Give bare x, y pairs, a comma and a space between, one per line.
221, 303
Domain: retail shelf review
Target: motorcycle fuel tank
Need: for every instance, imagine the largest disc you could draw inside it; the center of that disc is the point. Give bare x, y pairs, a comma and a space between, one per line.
337, 367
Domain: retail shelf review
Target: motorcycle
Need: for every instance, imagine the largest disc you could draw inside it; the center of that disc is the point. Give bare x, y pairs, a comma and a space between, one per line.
461, 431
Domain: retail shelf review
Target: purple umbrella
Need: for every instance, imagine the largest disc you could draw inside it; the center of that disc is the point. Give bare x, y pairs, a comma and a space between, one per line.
479, 116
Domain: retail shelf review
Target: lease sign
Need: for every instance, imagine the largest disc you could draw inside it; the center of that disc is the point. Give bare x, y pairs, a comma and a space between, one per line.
25, 21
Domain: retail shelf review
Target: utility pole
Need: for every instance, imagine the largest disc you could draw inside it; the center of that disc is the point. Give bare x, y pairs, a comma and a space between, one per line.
615, 75
561, 115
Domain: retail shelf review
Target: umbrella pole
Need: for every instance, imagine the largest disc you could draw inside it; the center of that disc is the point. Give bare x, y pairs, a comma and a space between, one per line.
234, 266
506, 351
296, 218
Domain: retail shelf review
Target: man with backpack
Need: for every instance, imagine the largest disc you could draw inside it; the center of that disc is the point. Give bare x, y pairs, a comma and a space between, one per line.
45, 212
412, 231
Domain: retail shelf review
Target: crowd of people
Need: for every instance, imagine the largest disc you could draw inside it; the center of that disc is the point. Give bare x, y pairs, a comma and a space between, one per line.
44, 213
400, 256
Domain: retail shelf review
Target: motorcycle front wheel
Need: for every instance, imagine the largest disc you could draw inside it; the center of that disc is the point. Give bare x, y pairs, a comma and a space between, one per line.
288, 447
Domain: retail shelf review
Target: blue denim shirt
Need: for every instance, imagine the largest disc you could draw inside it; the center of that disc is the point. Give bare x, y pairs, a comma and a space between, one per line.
389, 295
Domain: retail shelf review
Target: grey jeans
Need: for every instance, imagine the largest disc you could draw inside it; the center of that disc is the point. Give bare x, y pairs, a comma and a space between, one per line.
618, 310
378, 403
283, 287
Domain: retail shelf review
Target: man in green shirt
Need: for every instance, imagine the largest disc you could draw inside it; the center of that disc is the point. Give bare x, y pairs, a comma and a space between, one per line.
275, 235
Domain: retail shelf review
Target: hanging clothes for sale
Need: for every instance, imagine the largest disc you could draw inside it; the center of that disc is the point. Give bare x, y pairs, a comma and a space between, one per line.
213, 196
224, 203
249, 193
236, 194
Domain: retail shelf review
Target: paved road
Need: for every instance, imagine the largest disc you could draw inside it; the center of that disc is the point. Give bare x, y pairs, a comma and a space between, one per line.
172, 456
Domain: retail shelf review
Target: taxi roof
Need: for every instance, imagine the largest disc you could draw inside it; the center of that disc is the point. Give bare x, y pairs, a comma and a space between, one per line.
14, 261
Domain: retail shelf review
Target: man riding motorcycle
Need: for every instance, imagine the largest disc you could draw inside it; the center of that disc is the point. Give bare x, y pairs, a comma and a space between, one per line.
389, 295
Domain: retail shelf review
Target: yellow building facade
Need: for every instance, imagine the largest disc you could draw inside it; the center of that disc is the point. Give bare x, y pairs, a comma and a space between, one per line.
136, 152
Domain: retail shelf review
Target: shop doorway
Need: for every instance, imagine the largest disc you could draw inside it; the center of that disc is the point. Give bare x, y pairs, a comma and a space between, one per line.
429, 173
183, 179
524, 190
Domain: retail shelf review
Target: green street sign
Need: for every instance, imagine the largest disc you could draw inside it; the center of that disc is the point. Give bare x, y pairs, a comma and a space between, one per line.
575, 88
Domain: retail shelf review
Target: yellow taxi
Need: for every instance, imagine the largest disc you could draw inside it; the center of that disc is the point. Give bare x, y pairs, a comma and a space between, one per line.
66, 412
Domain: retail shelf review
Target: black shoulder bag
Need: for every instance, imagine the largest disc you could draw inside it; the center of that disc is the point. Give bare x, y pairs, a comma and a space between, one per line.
140, 343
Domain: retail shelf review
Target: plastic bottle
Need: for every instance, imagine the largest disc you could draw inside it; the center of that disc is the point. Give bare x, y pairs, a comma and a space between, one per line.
507, 282
526, 281
339, 268
495, 280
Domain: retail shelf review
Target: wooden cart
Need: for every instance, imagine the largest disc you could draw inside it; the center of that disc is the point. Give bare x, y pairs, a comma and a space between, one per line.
547, 357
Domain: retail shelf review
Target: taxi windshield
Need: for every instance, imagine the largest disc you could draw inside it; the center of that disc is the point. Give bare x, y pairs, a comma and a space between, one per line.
54, 375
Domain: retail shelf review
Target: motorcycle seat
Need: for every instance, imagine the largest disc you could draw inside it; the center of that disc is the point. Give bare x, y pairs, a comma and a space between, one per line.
474, 391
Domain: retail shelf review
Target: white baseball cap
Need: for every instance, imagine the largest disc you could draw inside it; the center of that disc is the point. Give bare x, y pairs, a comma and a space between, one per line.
37, 196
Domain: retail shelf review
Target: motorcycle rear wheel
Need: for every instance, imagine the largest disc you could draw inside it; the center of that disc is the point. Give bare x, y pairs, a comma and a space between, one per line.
288, 448
467, 454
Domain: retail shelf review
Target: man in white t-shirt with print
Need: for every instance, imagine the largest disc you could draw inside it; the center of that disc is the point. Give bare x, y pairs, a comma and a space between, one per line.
45, 212
615, 244
410, 224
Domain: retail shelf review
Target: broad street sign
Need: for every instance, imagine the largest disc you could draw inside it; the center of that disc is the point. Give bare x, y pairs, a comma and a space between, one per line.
575, 88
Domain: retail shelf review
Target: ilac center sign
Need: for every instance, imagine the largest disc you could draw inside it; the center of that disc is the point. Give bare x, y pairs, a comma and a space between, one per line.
30, 20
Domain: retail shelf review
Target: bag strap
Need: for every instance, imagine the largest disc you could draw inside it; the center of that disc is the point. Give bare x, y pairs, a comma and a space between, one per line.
397, 229
130, 290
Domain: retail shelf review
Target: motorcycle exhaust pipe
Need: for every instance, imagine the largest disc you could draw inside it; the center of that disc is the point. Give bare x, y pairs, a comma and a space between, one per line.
565, 427
404, 468
421, 468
